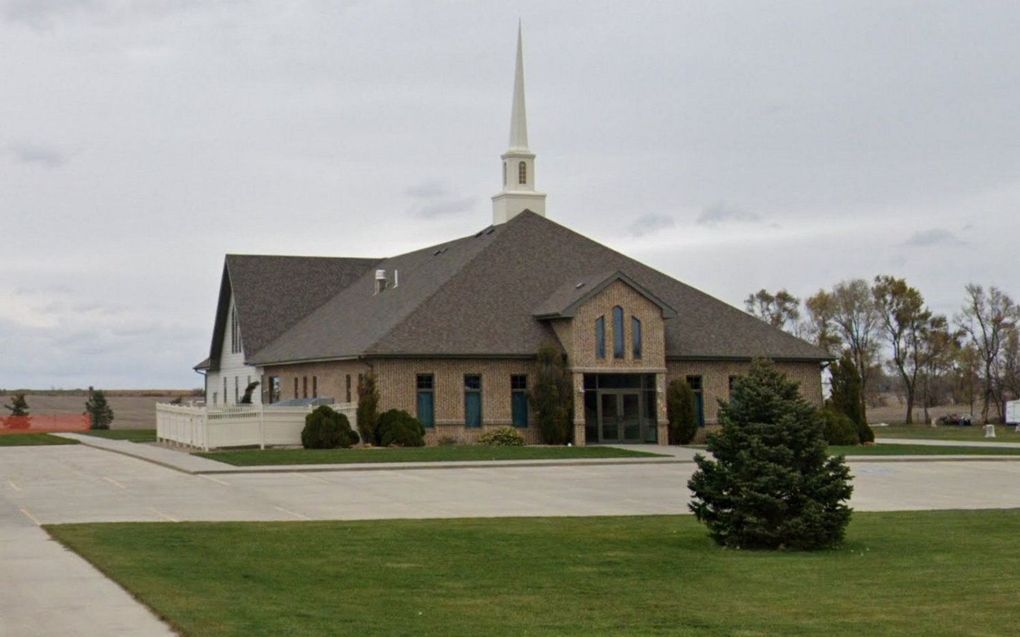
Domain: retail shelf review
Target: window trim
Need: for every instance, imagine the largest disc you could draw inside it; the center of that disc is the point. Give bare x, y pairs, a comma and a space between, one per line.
481, 405
418, 391
522, 172
600, 337
636, 337
514, 392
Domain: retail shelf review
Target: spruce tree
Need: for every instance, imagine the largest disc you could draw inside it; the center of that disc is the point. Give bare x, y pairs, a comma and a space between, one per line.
552, 398
682, 412
771, 483
98, 409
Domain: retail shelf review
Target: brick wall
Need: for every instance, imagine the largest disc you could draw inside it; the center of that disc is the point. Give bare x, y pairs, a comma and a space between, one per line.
715, 377
331, 378
580, 343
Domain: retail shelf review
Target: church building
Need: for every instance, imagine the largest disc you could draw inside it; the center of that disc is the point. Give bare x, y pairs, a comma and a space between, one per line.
451, 331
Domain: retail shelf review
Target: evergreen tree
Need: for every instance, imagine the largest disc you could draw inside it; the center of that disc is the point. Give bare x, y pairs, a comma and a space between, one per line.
18, 406
552, 398
682, 412
368, 409
846, 395
771, 483
98, 409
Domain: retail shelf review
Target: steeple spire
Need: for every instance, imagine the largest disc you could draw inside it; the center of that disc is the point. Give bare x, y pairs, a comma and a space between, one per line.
518, 192
518, 114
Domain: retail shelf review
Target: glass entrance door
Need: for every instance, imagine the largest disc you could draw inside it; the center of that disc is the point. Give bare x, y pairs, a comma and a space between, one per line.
619, 416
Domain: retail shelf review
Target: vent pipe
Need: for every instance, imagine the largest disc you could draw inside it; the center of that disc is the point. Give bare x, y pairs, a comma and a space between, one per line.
380, 281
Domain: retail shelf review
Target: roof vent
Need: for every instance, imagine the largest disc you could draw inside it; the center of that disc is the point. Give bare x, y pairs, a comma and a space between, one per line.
579, 285
380, 281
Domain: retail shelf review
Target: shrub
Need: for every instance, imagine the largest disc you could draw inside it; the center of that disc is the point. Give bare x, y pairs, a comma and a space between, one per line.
397, 428
846, 396
682, 411
327, 429
18, 406
839, 430
368, 409
771, 483
502, 437
552, 397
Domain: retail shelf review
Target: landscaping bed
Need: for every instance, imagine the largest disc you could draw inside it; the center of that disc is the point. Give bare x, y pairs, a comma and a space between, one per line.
656, 575
455, 453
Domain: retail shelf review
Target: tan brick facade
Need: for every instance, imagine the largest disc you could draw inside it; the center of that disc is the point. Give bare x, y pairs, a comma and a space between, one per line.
715, 380
329, 379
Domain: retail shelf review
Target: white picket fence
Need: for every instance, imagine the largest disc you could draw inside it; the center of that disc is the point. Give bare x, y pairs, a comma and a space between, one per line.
239, 426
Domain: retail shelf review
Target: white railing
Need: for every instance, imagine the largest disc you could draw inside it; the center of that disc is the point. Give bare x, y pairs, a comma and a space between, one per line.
239, 426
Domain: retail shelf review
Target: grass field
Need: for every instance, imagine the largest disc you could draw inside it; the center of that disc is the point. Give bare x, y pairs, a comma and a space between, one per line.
975, 433
921, 450
25, 440
134, 435
917, 573
248, 457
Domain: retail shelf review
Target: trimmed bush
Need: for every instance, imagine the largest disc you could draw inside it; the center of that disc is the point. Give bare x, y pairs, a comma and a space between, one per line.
839, 429
327, 429
770, 483
368, 409
502, 437
397, 428
682, 413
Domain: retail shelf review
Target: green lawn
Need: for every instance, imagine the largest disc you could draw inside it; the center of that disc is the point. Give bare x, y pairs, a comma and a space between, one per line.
975, 433
134, 435
248, 457
921, 450
917, 573
24, 440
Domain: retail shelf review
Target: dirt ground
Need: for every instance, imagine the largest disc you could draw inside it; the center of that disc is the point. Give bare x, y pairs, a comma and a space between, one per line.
132, 409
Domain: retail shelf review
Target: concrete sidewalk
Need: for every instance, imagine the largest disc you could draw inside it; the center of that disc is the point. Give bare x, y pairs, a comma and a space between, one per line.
946, 443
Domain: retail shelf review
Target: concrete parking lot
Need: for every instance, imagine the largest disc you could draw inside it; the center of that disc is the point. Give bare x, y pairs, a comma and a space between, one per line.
52, 591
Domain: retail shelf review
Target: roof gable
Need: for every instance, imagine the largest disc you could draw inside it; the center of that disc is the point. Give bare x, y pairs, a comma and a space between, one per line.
563, 303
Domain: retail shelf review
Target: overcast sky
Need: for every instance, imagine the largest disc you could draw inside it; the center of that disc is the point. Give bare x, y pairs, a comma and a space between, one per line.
731, 145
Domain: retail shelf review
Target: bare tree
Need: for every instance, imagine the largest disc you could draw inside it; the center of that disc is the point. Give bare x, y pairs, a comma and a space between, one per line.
938, 349
781, 309
856, 322
903, 319
819, 326
987, 318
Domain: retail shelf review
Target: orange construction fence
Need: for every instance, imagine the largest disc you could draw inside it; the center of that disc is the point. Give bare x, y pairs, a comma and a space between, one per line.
41, 423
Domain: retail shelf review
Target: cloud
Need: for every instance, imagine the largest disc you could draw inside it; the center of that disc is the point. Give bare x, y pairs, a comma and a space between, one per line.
721, 213
434, 199
34, 153
426, 190
933, 237
43, 14
650, 223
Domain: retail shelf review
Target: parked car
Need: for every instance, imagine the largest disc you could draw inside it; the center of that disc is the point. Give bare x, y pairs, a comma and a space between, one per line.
955, 420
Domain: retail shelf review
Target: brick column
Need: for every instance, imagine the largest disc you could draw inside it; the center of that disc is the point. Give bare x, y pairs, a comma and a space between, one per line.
579, 409
660, 402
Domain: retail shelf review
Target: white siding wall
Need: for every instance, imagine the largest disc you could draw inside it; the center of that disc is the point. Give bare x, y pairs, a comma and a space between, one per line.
233, 370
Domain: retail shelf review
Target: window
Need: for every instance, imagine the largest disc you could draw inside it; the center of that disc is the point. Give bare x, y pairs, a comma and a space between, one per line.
274, 389
425, 386
617, 332
699, 398
519, 400
733, 382
600, 337
315, 386
225, 394
296, 395
348, 383
214, 396
635, 336
522, 173
472, 400
304, 387
236, 383
235, 331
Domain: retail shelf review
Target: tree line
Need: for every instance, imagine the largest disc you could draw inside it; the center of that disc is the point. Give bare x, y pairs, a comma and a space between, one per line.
886, 325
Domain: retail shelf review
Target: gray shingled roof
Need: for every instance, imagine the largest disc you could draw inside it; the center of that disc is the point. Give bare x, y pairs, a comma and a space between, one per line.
273, 293
476, 296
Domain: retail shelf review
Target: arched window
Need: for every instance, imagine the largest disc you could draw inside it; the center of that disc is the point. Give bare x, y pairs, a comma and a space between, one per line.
522, 173
600, 337
617, 332
635, 336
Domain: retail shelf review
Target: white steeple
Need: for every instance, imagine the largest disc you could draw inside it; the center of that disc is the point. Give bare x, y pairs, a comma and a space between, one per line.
518, 191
